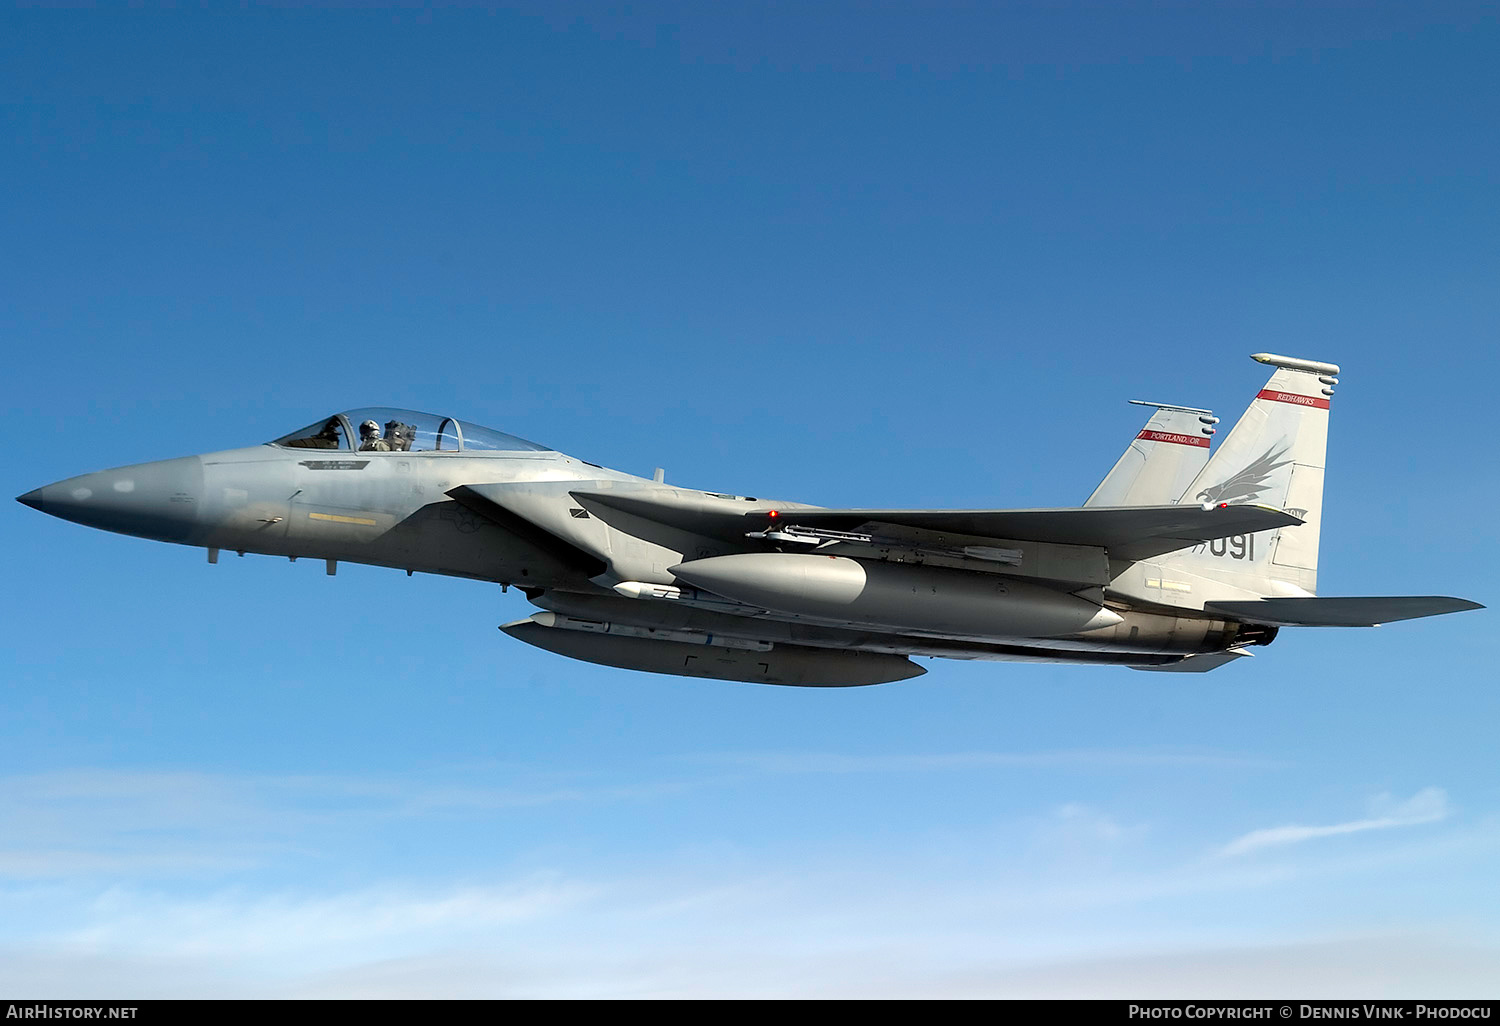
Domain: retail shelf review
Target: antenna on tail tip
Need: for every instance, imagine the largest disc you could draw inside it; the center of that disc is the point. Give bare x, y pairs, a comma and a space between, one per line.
1293, 363
1167, 406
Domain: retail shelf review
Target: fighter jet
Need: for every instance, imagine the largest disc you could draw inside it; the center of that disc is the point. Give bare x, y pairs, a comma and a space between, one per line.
1179, 561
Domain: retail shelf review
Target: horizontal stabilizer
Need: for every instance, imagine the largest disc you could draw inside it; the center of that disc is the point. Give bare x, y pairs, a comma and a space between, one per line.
1363, 611
1200, 663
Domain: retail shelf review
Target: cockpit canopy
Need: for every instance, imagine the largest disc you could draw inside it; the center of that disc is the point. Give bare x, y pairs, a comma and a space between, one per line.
383, 429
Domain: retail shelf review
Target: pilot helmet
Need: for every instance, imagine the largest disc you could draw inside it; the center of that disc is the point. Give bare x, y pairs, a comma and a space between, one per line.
369, 429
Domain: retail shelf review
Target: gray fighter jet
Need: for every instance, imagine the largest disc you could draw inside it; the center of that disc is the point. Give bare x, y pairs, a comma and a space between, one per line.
1178, 561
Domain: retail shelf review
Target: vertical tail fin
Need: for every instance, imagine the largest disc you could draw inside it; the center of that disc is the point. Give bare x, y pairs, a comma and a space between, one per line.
1273, 456
1158, 464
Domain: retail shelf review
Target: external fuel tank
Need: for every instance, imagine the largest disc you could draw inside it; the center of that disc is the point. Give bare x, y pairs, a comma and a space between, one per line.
958, 602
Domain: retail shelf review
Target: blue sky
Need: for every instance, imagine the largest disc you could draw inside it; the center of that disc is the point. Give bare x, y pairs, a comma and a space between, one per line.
852, 254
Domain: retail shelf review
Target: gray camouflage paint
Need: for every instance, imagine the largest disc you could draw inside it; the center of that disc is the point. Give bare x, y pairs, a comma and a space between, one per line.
569, 532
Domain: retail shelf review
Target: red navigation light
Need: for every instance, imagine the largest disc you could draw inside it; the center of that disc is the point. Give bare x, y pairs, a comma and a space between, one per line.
1223, 505
773, 514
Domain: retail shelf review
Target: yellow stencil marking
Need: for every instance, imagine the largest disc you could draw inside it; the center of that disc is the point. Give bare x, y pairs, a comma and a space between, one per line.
1154, 582
342, 520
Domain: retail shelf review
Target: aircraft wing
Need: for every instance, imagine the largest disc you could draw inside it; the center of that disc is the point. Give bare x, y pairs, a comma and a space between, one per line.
1333, 611
1128, 532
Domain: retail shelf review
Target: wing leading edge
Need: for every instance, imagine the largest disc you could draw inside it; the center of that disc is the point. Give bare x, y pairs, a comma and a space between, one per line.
1128, 532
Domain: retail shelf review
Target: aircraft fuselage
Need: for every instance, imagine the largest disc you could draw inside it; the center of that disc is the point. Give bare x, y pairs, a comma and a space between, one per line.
1194, 559
394, 509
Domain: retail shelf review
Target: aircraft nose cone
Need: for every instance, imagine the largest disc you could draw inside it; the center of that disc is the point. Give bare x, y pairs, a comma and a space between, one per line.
150, 500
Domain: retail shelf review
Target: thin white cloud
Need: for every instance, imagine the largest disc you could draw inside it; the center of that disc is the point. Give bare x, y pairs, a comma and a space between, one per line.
551, 936
24, 864
1426, 806
977, 918
101, 823
836, 762
1389, 965
153, 796
301, 927
1082, 821
1015, 906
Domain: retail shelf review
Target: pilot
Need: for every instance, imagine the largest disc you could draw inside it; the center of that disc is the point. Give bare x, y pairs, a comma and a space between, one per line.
328, 438
370, 440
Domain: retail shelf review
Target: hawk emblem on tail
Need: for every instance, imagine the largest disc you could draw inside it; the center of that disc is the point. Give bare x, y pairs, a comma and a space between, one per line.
1248, 484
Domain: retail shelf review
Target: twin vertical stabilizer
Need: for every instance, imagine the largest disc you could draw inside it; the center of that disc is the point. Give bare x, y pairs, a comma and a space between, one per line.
1274, 456
1161, 461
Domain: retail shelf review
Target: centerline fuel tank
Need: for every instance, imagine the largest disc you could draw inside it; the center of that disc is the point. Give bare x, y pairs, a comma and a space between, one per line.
957, 602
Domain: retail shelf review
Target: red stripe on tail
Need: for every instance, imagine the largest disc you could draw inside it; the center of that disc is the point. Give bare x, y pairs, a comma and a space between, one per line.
1293, 398
1167, 436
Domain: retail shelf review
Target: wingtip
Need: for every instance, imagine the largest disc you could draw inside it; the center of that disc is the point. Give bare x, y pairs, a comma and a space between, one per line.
1292, 519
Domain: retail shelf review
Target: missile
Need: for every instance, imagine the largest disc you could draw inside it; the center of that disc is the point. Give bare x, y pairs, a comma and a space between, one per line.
644, 590
685, 596
961, 603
